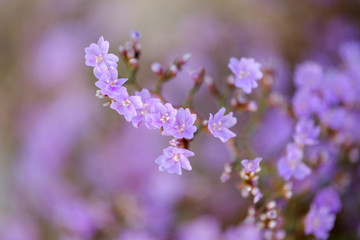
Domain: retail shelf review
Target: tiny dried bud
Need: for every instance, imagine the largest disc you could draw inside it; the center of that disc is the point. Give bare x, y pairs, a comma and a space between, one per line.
173, 70
122, 50
252, 106
135, 36
230, 80
272, 214
157, 69
271, 205
130, 54
272, 224
209, 81
174, 142
184, 59
134, 63
99, 94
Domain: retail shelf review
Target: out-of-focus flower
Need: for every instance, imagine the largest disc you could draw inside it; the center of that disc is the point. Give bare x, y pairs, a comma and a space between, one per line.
183, 126
328, 198
319, 221
291, 165
205, 227
126, 105
246, 72
243, 231
309, 75
174, 159
306, 133
219, 125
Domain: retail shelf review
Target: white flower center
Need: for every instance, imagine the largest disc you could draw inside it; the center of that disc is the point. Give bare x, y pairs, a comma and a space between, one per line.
243, 74
165, 118
176, 157
99, 58
126, 102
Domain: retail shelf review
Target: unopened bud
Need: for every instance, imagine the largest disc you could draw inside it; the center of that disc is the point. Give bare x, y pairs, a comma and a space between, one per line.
271, 205
209, 81
252, 106
122, 50
184, 59
99, 94
134, 63
135, 36
230, 80
157, 68
173, 70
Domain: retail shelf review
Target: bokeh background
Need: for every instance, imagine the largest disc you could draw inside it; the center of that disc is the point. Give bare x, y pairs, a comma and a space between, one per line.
73, 169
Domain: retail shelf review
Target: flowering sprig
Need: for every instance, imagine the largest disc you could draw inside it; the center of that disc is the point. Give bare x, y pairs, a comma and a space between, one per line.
150, 108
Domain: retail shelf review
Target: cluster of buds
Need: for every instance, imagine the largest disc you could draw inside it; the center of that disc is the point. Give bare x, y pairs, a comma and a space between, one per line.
250, 175
172, 70
287, 190
267, 219
131, 50
225, 175
241, 103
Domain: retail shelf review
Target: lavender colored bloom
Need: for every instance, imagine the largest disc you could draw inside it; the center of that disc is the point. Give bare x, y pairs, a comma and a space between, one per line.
319, 221
306, 133
109, 82
306, 102
163, 115
246, 72
328, 198
219, 125
97, 56
174, 159
258, 195
243, 231
144, 113
183, 126
291, 165
308, 75
251, 166
126, 105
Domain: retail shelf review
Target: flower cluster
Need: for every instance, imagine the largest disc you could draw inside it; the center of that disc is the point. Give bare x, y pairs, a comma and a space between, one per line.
321, 217
143, 107
249, 174
292, 165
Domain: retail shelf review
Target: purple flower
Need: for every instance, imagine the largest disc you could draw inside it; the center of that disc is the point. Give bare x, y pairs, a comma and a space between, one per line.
306, 102
144, 113
97, 56
308, 75
109, 82
174, 159
328, 198
219, 125
243, 231
319, 221
163, 115
246, 72
291, 165
126, 105
183, 126
306, 133
251, 166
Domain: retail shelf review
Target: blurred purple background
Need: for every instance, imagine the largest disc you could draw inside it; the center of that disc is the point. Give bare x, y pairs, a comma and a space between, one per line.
72, 169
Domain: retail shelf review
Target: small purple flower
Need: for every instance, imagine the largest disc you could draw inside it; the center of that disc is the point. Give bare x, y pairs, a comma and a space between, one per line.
163, 115
319, 221
328, 198
251, 166
246, 72
219, 125
306, 102
308, 75
97, 56
126, 105
183, 126
109, 83
144, 113
174, 159
306, 133
291, 165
